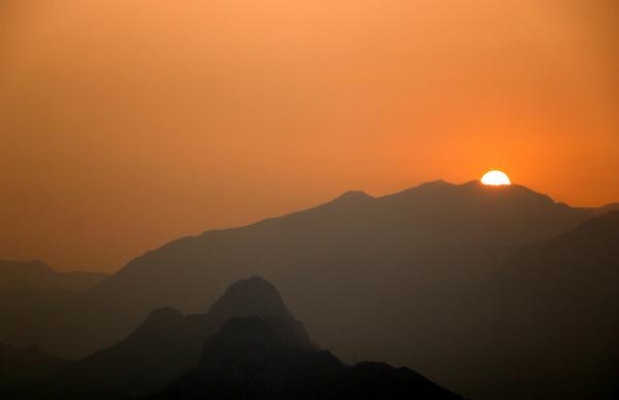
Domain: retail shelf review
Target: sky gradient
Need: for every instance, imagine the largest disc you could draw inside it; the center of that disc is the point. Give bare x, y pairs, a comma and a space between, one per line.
125, 124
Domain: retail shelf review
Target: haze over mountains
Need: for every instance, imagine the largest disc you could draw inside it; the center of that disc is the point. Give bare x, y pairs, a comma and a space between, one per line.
168, 344
253, 348
38, 275
483, 290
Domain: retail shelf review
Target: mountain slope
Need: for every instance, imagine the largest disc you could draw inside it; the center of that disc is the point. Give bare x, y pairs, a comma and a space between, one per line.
168, 345
353, 230
565, 291
420, 277
355, 225
246, 360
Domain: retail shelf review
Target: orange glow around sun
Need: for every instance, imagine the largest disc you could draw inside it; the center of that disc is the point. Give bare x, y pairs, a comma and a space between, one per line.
496, 178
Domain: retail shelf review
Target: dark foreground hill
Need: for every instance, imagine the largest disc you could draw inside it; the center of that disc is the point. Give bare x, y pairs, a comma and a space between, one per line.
168, 344
255, 348
248, 360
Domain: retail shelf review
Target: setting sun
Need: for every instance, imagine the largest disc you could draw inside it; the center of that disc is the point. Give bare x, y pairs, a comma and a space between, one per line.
496, 178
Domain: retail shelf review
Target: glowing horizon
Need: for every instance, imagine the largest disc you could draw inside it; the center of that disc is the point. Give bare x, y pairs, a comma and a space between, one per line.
126, 125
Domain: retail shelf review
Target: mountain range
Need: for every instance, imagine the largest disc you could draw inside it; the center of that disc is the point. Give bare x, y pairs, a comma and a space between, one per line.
167, 344
460, 282
247, 346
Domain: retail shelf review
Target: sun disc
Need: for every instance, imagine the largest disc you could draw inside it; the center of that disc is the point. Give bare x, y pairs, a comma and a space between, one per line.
496, 178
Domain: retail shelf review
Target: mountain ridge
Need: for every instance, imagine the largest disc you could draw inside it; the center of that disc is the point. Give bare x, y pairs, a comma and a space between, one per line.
37, 274
167, 344
415, 274
348, 231
245, 360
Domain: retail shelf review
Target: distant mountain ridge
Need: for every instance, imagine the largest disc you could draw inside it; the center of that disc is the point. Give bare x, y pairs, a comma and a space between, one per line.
350, 228
38, 275
428, 216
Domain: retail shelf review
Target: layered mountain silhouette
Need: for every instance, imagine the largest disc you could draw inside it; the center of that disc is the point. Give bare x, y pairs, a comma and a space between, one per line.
168, 344
332, 239
248, 345
351, 228
248, 360
430, 277
38, 275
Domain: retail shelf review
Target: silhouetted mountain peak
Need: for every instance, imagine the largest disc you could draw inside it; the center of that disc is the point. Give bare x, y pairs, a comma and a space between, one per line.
514, 191
472, 199
438, 186
255, 297
354, 194
247, 359
247, 297
439, 183
351, 197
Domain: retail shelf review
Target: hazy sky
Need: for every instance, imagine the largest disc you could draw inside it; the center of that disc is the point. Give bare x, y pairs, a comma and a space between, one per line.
125, 124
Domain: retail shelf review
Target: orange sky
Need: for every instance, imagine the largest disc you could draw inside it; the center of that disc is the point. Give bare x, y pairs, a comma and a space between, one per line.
125, 124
